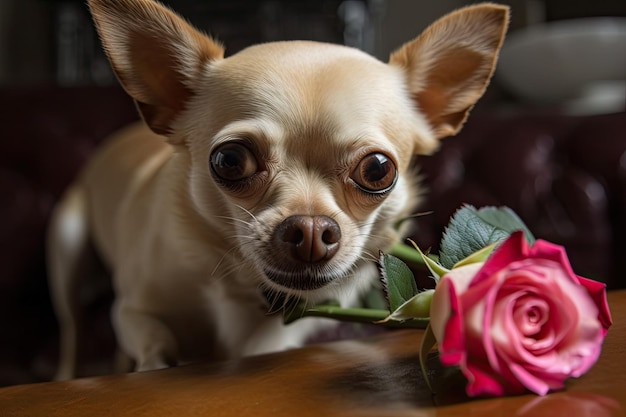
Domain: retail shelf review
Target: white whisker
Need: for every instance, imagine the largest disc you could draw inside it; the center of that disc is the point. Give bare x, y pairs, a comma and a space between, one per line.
248, 212
234, 220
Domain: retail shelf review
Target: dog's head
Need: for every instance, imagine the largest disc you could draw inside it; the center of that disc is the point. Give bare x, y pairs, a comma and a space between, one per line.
300, 151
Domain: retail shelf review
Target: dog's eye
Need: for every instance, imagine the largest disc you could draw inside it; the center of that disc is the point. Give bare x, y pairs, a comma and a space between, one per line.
375, 174
233, 162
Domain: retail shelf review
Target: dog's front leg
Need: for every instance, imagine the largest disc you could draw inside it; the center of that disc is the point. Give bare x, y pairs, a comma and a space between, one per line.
273, 335
269, 335
144, 338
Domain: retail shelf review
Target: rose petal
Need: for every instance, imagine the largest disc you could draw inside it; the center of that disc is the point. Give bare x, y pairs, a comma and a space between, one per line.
511, 250
530, 314
556, 253
490, 305
440, 308
534, 351
541, 346
509, 342
570, 354
544, 280
478, 301
480, 382
597, 291
530, 381
510, 345
542, 352
452, 347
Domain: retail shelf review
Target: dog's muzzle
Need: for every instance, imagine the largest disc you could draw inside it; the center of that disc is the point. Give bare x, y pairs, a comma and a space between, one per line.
304, 245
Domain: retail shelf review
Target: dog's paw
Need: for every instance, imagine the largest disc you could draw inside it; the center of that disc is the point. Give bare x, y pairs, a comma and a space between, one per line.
154, 360
154, 364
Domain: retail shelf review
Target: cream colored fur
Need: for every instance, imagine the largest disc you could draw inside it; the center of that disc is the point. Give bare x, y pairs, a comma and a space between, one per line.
191, 253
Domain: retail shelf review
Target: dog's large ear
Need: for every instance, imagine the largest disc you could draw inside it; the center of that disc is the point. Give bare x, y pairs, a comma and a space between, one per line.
155, 54
448, 67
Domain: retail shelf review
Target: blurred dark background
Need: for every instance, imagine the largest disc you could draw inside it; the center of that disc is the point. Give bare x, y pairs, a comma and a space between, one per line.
53, 41
558, 159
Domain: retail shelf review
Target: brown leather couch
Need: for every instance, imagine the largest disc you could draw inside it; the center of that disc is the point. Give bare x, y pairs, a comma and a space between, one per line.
565, 176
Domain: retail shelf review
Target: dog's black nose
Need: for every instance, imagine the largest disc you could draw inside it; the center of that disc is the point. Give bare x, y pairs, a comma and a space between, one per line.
308, 238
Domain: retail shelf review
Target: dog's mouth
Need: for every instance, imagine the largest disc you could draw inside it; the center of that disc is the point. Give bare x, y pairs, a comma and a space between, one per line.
300, 281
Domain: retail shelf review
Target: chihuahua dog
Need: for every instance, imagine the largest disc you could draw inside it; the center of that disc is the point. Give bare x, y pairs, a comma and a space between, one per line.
282, 169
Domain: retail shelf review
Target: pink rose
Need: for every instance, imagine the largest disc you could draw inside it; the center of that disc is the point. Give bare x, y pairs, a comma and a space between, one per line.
520, 321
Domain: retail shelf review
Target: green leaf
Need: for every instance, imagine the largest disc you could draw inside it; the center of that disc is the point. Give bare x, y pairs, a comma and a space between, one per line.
428, 341
505, 219
397, 279
471, 230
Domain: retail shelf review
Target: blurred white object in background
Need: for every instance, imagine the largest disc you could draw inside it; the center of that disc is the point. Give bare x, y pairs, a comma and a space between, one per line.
579, 64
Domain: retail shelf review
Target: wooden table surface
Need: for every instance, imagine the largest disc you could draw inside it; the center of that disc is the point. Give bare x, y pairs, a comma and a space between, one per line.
376, 377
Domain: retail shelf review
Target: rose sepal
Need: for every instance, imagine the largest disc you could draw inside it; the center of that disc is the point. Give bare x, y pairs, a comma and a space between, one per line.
480, 255
417, 307
426, 346
434, 267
